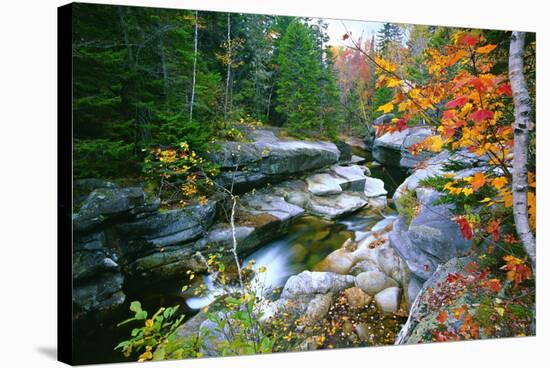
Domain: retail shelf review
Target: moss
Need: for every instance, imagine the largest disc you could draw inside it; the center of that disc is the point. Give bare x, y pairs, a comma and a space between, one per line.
408, 205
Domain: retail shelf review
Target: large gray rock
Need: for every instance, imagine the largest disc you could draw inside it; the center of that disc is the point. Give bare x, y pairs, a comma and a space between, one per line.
108, 203
392, 148
324, 184
339, 178
374, 188
163, 229
335, 206
269, 158
353, 176
432, 237
308, 283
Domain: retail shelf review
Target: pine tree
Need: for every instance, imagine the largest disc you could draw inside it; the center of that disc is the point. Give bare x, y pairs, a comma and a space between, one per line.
389, 34
299, 75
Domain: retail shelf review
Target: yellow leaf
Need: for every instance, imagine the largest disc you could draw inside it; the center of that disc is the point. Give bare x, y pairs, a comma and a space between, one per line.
467, 191
500, 311
403, 106
499, 182
386, 108
485, 200
478, 180
485, 49
434, 143
393, 82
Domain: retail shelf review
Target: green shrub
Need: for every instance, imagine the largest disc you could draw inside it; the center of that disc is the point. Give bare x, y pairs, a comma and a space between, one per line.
408, 205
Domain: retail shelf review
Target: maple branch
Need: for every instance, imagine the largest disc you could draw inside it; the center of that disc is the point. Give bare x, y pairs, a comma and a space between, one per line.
357, 47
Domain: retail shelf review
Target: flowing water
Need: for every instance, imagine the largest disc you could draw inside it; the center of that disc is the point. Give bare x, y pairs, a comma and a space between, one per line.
309, 240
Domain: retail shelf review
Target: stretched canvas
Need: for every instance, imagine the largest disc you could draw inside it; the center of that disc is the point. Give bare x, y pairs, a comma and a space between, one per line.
234, 184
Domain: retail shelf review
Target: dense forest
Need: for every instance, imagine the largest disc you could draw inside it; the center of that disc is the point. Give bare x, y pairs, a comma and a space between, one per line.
146, 77
387, 181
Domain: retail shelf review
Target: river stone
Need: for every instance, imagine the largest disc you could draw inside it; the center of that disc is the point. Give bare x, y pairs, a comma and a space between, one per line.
374, 187
372, 282
387, 300
357, 298
266, 204
307, 283
335, 206
391, 264
324, 184
353, 175
318, 308
340, 261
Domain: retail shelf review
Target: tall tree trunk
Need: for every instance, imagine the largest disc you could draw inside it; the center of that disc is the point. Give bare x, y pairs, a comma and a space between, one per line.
228, 66
194, 66
522, 111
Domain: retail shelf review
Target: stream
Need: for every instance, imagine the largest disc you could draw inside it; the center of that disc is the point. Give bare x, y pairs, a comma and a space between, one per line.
309, 240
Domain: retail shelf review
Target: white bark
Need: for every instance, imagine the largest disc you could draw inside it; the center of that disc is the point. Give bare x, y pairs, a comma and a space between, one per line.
194, 66
522, 110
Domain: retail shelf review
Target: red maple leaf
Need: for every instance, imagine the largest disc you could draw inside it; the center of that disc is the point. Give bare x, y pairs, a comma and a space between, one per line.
457, 102
482, 114
401, 124
465, 227
468, 39
505, 89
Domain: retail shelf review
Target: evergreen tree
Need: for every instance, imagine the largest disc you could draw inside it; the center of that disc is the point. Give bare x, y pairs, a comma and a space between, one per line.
389, 34
299, 75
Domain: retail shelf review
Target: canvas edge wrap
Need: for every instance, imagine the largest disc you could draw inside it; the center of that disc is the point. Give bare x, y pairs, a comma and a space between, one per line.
64, 184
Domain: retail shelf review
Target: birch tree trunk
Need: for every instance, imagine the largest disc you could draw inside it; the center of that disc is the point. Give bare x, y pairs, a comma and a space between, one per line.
194, 66
522, 110
228, 66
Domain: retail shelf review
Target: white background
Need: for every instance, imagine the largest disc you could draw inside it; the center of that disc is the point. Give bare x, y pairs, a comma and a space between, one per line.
28, 145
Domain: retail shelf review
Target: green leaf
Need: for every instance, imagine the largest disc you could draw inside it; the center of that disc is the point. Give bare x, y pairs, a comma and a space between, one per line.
135, 306
141, 315
159, 353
